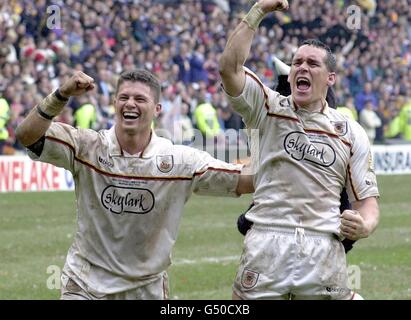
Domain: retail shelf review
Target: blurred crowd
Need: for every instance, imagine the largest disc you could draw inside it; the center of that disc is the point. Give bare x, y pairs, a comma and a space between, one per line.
42, 42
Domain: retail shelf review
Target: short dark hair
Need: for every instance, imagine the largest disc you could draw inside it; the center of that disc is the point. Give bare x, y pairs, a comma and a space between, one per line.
330, 60
143, 76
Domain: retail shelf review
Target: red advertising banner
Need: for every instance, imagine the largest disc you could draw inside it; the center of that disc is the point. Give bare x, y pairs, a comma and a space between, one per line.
20, 173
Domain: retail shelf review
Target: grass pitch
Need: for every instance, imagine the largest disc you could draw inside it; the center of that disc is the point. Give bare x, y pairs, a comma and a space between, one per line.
36, 230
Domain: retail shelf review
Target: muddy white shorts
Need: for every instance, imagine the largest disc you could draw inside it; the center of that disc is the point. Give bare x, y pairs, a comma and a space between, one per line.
73, 289
291, 263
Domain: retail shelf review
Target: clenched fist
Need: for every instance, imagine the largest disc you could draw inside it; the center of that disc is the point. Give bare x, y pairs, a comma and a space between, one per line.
273, 5
77, 85
353, 225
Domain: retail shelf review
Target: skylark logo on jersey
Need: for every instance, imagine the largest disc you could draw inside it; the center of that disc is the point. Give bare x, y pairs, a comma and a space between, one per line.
340, 127
298, 145
120, 200
165, 163
249, 278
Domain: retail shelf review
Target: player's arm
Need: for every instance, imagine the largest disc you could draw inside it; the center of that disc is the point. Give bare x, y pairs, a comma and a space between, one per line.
246, 181
37, 122
239, 44
362, 220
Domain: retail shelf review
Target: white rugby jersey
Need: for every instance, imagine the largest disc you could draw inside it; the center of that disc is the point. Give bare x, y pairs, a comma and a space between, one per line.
305, 159
129, 207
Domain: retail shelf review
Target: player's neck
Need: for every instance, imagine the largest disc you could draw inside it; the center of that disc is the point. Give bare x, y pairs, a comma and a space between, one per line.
315, 106
134, 143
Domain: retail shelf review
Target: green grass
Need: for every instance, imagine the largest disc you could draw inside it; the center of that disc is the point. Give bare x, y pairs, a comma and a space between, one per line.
385, 257
36, 230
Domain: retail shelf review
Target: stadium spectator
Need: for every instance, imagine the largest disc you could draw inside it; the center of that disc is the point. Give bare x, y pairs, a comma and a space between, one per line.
131, 186
4, 119
393, 130
206, 120
182, 59
370, 120
381, 112
183, 127
367, 95
405, 121
348, 109
296, 221
85, 115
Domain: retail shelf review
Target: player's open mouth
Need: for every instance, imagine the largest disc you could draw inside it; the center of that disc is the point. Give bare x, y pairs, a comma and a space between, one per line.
303, 84
129, 115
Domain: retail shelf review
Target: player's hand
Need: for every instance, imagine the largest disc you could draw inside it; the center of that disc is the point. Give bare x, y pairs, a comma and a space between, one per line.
353, 225
273, 5
77, 85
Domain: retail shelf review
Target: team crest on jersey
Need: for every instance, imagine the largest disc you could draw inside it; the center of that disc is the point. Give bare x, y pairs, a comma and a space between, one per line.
165, 163
249, 278
340, 127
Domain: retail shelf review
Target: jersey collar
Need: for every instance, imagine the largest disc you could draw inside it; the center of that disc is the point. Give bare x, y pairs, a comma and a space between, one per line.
324, 110
116, 151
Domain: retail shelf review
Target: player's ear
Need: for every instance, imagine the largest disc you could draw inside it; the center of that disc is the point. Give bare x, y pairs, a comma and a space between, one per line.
331, 79
157, 110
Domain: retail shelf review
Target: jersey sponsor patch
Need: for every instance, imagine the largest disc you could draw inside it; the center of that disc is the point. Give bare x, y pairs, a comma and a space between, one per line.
300, 147
165, 163
249, 278
120, 200
340, 127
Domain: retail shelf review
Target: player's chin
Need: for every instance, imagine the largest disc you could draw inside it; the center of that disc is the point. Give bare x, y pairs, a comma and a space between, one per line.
302, 100
128, 127
302, 95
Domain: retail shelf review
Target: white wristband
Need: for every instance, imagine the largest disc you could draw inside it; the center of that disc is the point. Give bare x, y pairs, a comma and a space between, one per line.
51, 105
254, 16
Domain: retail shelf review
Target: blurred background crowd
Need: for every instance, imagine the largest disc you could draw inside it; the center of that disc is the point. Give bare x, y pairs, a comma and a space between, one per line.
42, 42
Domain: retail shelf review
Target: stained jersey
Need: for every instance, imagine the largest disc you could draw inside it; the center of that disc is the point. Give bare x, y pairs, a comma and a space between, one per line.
303, 160
129, 207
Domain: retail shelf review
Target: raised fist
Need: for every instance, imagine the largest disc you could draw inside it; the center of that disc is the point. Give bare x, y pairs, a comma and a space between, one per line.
77, 85
273, 5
